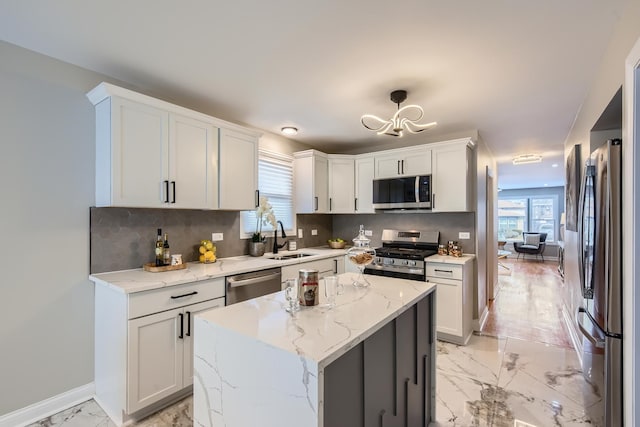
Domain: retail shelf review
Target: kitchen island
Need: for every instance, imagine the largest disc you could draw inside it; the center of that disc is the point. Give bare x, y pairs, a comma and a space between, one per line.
367, 361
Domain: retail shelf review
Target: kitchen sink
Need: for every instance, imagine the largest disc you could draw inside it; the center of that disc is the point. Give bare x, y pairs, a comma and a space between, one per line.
289, 256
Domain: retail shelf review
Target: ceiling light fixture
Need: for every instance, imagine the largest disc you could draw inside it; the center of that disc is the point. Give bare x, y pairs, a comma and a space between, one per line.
397, 124
523, 159
289, 130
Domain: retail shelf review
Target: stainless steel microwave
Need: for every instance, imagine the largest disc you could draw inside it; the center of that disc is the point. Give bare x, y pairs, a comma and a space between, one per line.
409, 192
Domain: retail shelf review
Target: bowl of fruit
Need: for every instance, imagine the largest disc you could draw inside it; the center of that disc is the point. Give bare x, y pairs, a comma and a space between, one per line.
336, 243
207, 252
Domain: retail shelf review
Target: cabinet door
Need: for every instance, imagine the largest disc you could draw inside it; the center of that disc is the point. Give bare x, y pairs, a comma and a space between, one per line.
238, 170
341, 185
387, 166
364, 185
449, 306
450, 170
139, 154
189, 313
321, 184
193, 163
416, 162
155, 358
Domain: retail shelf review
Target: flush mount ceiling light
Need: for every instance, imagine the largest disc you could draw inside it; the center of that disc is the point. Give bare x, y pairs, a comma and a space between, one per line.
405, 119
523, 159
289, 130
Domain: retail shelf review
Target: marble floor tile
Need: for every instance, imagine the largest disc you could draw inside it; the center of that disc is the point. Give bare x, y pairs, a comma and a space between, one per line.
85, 414
481, 358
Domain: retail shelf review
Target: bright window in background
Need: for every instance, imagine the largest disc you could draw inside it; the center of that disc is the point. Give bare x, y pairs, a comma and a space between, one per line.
533, 213
275, 181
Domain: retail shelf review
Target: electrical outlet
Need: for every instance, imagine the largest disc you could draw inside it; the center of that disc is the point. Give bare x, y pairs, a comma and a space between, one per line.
368, 233
464, 235
216, 237
314, 232
300, 233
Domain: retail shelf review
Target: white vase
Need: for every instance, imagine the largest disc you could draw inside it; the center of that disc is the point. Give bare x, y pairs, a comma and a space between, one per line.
256, 248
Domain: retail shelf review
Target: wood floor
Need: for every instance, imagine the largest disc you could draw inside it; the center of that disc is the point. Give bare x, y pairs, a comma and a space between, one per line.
528, 304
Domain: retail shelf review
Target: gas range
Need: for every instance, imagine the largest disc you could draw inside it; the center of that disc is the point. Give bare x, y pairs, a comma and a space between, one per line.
402, 254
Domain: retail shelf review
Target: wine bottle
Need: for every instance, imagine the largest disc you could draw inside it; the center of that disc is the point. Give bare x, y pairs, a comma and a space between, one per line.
166, 253
159, 249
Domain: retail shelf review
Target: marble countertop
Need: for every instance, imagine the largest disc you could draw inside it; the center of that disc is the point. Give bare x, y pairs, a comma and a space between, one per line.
320, 333
138, 280
448, 259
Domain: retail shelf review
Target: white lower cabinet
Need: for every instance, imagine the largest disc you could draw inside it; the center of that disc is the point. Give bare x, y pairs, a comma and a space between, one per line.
454, 298
325, 267
144, 345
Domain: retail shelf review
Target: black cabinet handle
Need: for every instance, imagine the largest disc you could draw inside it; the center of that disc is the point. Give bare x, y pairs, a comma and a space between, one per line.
188, 323
444, 271
355, 204
335, 266
330, 204
433, 201
173, 185
398, 167
316, 208
166, 191
403, 167
185, 295
257, 198
181, 316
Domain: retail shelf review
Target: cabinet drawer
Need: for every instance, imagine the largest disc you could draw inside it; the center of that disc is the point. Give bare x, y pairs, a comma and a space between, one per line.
157, 300
447, 271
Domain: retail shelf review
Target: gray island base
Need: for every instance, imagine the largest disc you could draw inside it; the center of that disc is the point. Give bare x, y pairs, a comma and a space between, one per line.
368, 361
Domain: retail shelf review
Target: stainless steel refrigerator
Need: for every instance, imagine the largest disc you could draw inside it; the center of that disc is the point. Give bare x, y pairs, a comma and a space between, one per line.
600, 255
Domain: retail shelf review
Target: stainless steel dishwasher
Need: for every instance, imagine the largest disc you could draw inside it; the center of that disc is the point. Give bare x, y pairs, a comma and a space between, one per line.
242, 287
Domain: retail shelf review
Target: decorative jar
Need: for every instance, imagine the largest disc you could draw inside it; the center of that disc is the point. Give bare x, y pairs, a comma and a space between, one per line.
361, 255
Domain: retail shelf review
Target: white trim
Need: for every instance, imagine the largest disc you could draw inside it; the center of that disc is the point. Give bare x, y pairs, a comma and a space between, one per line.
576, 338
631, 244
478, 324
45, 408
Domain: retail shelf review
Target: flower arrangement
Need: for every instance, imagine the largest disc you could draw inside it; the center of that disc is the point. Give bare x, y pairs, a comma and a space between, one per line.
264, 216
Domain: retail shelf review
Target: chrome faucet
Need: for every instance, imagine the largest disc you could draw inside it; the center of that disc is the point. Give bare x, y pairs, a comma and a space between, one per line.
276, 246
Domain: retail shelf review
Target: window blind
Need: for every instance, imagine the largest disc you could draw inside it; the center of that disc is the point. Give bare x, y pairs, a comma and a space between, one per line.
275, 181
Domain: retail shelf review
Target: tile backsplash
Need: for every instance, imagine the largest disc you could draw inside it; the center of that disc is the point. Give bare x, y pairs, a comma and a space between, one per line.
124, 238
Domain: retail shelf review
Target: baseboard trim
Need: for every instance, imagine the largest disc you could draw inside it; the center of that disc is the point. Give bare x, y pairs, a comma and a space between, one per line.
48, 407
573, 332
478, 324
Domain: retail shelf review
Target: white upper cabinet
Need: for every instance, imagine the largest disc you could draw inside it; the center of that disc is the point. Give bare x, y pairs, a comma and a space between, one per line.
403, 162
193, 163
452, 178
132, 154
341, 184
364, 173
311, 187
153, 154
238, 170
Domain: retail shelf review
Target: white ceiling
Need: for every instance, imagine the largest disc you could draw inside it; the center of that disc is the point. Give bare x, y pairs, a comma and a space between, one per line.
515, 71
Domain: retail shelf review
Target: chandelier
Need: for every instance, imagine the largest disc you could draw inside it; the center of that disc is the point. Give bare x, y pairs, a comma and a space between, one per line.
405, 119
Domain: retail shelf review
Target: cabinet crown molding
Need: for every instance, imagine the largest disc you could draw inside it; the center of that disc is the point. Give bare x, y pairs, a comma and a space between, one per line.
105, 90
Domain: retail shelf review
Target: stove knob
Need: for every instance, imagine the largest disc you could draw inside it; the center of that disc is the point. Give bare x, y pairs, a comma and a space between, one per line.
404, 262
411, 263
378, 260
387, 261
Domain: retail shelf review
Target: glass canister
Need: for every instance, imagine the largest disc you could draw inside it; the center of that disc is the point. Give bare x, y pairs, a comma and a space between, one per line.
361, 255
442, 250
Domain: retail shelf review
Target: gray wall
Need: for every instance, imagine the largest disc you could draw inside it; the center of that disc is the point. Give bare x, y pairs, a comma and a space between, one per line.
448, 224
124, 238
47, 129
47, 168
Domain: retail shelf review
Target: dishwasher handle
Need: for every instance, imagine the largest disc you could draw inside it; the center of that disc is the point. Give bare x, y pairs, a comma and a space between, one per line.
235, 283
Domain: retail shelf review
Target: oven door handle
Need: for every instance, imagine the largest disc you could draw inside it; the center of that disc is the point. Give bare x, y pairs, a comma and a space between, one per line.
234, 283
599, 343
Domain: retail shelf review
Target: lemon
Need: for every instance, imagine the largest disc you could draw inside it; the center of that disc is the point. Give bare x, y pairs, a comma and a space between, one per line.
201, 258
202, 249
209, 245
208, 255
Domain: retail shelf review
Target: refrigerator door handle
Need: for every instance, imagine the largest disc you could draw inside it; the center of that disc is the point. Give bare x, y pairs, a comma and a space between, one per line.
599, 343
